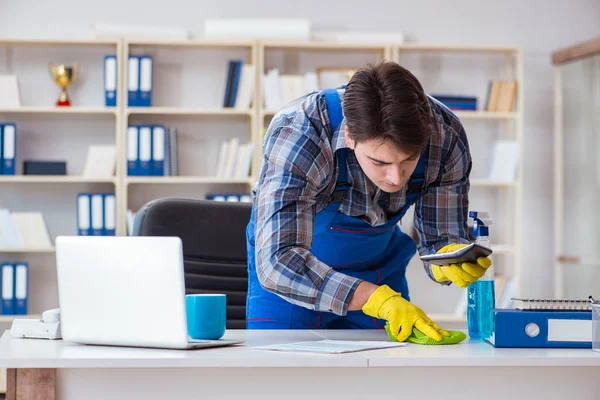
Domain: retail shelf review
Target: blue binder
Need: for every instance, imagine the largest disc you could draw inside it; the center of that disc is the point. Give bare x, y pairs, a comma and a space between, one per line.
21, 287
9, 148
110, 81
236, 82
84, 216
8, 289
133, 81
97, 213
145, 98
145, 152
1, 149
158, 150
110, 211
559, 329
133, 150
228, 83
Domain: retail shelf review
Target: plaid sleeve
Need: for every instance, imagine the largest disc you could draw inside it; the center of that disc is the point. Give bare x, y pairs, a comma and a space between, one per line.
441, 214
294, 170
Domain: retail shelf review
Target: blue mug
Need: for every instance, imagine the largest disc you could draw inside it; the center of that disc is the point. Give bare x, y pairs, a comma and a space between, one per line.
206, 315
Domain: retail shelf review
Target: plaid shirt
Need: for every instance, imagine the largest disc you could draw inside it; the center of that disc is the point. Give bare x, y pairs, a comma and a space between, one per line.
298, 178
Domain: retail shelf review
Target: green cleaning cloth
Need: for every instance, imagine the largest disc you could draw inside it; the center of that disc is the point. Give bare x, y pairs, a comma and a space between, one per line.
419, 337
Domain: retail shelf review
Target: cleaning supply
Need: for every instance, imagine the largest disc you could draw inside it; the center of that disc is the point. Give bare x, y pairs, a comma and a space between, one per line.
401, 314
481, 294
418, 337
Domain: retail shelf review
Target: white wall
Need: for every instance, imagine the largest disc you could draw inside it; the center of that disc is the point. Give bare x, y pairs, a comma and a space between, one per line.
538, 26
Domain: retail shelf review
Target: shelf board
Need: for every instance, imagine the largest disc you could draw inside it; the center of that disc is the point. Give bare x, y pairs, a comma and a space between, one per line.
268, 113
492, 183
185, 180
192, 43
458, 48
24, 250
10, 318
447, 318
58, 42
187, 111
316, 45
59, 110
52, 179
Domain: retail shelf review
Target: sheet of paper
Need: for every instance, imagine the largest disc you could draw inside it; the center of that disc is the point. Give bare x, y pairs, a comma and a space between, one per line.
331, 346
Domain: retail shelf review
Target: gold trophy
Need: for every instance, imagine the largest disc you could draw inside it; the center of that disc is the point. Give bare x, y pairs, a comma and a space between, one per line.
63, 76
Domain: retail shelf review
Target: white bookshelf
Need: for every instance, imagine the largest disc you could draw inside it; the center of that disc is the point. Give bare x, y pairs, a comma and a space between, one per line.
177, 103
504, 199
204, 64
48, 132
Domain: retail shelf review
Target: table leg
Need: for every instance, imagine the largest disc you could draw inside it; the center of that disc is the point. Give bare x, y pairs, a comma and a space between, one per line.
31, 383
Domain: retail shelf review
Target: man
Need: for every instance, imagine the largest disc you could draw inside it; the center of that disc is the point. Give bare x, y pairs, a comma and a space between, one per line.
340, 169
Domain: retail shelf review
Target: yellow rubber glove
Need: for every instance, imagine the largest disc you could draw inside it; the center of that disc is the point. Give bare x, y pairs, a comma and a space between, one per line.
401, 314
461, 275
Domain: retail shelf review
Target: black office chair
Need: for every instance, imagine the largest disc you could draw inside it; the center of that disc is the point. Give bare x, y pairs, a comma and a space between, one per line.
214, 246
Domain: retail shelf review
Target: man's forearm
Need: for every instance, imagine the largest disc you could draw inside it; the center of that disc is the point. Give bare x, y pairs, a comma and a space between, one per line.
362, 293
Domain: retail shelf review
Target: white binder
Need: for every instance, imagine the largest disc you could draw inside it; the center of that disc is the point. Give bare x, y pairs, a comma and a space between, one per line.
133, 81
83, 214
145, 140
97, 214
109, 214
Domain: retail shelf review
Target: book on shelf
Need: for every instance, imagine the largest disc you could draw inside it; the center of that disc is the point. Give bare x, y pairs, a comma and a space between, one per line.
9, 92
281, 89
139, 81
100, 161
152, 150
96, 214
234, 159
502, 96
8, 148
239, 85
457, 102
130, 218
23, 229
15, 287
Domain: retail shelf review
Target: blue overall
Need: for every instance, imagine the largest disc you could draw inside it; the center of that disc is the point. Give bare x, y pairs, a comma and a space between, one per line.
347, 244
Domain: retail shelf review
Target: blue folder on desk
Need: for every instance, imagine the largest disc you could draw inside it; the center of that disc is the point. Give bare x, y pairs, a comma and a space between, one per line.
558, 329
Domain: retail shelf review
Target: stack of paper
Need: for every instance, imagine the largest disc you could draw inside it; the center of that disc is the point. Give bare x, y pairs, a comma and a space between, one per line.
332, 346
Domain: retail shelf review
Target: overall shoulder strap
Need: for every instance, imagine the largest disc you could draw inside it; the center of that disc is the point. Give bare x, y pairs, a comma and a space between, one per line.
416, 180
334, 109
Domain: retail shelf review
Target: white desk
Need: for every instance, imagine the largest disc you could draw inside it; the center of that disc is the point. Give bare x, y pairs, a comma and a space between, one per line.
461, 371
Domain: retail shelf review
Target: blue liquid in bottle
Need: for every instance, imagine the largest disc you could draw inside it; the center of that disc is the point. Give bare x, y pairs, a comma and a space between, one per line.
480, 309
481, 294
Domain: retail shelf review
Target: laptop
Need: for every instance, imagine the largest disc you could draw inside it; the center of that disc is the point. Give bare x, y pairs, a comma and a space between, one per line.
124, 291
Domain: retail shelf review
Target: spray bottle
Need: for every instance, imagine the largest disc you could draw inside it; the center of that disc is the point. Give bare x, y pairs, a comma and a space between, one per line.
481, 294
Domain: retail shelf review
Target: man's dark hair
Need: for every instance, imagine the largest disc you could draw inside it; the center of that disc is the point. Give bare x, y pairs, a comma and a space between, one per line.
386, 102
